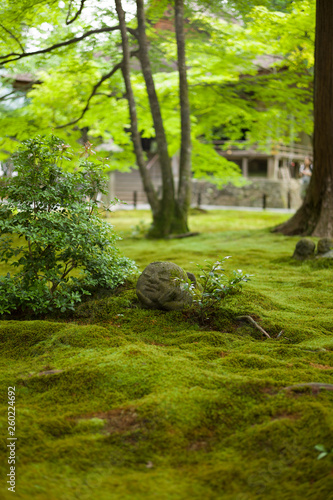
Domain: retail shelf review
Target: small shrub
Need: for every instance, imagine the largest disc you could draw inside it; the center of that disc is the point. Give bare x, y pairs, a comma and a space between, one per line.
55, 215
214, 285
140, 230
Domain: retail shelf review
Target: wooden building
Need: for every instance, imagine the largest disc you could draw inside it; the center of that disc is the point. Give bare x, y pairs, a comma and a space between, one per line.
272, 176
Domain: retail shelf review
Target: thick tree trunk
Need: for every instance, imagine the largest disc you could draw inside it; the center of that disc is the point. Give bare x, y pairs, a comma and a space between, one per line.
315, 216
185, 173
136, 139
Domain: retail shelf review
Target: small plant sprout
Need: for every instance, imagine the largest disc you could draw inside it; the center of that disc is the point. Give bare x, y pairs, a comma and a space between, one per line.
214, 284
323, 451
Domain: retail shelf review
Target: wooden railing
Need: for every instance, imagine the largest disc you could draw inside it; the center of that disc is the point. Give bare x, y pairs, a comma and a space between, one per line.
290, 150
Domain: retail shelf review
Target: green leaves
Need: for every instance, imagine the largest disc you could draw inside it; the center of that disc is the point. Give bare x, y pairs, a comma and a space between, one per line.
324, 452
214, 285
253, 76
56, 212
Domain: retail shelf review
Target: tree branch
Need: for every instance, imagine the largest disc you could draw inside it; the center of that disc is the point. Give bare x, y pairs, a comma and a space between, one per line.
112, 94
65, 273
185, 169
95, 87
168, 188
13, 36
94, 91
76, 15
132, 31
15, 56
4, 97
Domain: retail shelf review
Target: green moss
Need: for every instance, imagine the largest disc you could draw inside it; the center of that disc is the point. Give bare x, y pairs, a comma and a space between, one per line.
118, 402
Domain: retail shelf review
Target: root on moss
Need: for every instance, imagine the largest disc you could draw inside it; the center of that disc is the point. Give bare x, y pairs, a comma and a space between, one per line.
254, 323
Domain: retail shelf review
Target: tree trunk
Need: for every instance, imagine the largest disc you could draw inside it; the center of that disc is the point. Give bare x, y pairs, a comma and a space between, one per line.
169, 214
136, 139
162, 224
315, 216
185, 171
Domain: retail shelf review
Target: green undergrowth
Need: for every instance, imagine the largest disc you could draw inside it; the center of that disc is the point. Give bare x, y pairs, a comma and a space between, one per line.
118, 402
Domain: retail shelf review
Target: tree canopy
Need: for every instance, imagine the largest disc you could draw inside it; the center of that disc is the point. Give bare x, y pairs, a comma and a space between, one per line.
247, 75
253, 75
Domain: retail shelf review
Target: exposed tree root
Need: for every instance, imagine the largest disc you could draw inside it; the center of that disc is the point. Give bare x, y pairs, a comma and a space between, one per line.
254, 323
184, 235
316, 386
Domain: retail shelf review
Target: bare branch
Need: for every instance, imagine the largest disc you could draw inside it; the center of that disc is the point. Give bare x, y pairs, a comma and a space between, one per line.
15, 56
13, 36
254, 323
132, 31
76, 15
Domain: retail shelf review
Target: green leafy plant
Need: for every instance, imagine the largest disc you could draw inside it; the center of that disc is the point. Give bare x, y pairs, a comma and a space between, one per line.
139, 230
54, 214
214, 285
323, 451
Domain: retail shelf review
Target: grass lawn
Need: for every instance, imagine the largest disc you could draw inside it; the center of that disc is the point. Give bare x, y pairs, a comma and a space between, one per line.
118, 402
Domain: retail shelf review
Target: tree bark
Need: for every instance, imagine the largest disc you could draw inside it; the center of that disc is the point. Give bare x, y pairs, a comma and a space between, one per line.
162, 225
136, 139
169, 213
185, 170
315, 216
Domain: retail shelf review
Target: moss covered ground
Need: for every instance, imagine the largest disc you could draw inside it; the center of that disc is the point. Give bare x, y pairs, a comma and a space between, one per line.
118, 402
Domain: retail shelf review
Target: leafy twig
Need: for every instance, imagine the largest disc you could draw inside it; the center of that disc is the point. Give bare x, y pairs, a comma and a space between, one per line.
13, 36
94, 90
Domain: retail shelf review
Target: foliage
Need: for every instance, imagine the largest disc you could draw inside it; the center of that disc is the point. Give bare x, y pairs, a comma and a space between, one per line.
55, 215
139, 230
214, 285
231, 68
323, 451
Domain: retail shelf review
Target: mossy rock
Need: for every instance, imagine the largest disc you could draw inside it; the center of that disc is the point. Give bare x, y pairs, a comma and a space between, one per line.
304, 249
160, 287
